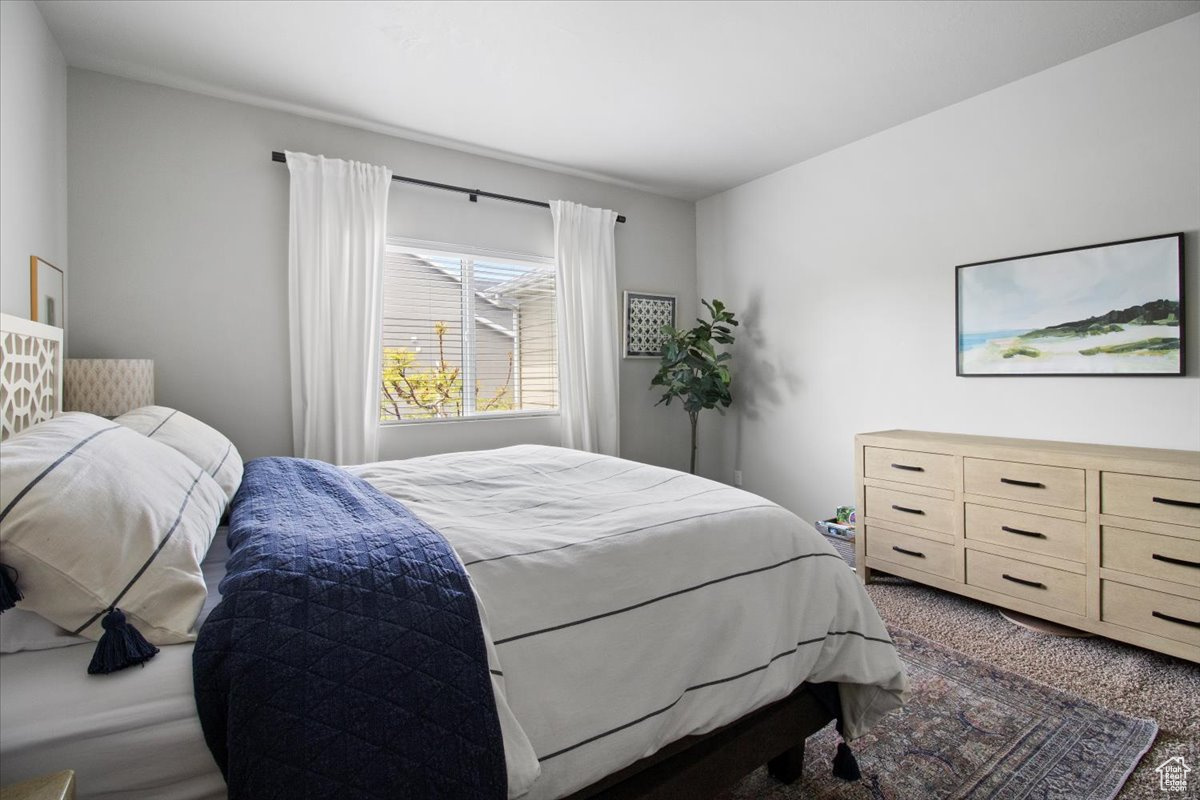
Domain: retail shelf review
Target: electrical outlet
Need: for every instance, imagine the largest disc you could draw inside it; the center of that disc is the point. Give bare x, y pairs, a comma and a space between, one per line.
737, 477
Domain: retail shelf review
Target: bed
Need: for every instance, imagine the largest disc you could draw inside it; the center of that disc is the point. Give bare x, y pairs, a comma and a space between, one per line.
649, 633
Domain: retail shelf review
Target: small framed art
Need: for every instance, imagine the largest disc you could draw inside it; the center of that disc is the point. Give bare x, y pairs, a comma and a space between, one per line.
1104, 309
645, 314
47, 293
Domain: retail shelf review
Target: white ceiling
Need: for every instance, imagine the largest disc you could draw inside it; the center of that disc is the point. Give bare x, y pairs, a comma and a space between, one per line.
681, 98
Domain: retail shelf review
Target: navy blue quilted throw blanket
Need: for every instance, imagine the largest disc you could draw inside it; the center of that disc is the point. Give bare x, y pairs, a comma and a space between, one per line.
346, 658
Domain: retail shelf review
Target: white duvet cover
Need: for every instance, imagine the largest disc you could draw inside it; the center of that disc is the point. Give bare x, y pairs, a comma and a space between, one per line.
628, 605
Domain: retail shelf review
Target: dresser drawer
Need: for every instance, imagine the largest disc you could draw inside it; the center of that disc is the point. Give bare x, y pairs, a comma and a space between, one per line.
1159, 613
910, 551
905, 466
1165, 557
1031, 483
1145, 497
931, 513
1034, 533
1043, 585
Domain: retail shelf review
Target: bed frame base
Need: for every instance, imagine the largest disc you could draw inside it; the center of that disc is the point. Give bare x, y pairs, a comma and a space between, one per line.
787, 767
705, 765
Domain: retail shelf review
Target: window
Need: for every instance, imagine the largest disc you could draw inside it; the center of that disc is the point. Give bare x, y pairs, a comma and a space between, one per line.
466, 334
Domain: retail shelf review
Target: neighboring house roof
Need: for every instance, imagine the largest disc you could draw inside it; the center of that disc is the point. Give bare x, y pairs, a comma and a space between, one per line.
488, 297
457, 278
534, 282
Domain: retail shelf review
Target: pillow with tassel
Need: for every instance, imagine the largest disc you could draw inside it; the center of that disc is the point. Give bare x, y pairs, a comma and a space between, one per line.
203, 444
102, 532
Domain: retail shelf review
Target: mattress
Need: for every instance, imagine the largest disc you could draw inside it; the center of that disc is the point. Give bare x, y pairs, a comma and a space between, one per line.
133, 734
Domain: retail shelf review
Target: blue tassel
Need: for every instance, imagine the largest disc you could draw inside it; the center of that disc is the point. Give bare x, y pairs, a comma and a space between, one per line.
120, 646
9, 593
845, 765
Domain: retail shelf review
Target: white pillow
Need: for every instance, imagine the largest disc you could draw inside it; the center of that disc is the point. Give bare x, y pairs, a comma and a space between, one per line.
95, 517
24, 630
204, 445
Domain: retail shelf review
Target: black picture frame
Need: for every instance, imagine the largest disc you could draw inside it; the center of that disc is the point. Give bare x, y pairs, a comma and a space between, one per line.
1095, 330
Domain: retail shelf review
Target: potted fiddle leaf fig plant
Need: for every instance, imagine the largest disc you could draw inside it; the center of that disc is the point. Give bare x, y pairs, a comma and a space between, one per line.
692, 369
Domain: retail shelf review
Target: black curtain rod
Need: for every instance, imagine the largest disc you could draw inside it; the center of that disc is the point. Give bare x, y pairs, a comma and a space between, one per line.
473, 194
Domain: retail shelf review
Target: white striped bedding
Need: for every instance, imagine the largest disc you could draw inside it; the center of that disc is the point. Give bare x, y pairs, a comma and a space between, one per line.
629, 605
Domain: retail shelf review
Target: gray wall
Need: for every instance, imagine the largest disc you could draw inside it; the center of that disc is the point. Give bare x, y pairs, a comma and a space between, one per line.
179, 233
33, 151
843, 267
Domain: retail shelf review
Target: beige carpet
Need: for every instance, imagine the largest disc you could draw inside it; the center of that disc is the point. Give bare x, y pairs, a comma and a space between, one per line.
1121, 677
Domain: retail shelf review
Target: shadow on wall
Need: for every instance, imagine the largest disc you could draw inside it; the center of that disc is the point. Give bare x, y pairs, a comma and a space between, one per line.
764, 383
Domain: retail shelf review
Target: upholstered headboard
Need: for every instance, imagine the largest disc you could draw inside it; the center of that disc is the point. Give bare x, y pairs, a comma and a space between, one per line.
31, 369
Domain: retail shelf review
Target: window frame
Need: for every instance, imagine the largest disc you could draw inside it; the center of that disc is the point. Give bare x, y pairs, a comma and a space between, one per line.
448, 250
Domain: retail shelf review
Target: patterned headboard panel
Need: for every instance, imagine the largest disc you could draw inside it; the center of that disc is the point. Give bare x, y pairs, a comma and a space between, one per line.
31, 368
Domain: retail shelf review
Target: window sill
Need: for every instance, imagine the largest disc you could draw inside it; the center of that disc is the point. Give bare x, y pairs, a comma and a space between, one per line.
508, 415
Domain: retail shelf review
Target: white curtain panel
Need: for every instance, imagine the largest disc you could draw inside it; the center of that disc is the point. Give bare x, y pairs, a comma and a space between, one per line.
588, 343
337, 232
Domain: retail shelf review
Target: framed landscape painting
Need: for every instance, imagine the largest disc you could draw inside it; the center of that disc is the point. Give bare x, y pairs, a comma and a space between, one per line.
1106, 309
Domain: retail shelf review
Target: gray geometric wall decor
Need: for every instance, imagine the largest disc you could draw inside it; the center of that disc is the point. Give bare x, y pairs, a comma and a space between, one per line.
645, 314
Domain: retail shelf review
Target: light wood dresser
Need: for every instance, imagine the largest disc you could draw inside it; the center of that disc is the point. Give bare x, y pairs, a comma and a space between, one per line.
1100, 538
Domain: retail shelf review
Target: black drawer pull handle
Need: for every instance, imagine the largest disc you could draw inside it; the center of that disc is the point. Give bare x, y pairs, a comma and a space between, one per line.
907, 467
1176, 620
1020, 532
913, 553
907, 510
1027, 484
1166, 501
1024, 582
1181, 562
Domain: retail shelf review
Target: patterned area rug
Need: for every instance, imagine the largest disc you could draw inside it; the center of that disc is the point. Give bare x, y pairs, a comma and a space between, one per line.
971, 731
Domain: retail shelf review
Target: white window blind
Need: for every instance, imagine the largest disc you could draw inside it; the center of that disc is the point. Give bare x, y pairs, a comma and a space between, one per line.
466, 334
